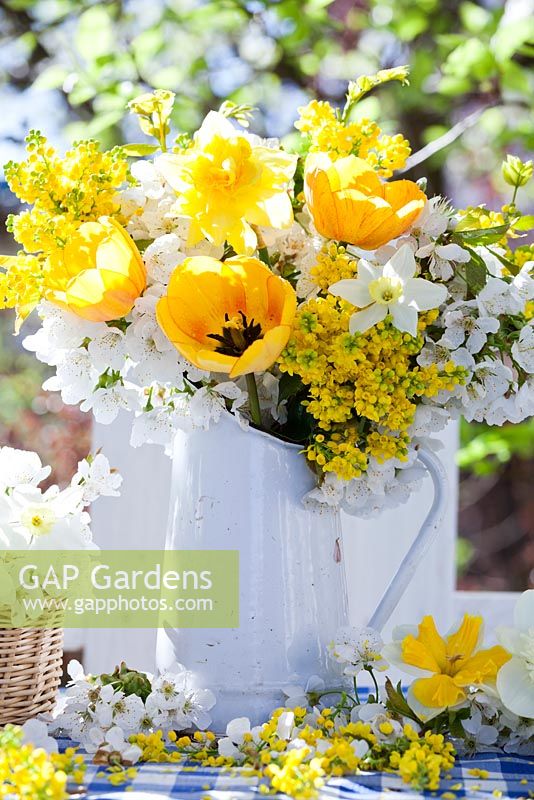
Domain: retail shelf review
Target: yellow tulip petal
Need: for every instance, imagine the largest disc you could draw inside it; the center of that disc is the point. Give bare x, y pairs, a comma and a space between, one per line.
439, 691
482, 667
207, 359
100, 295
262, 353
282, 302
463, 643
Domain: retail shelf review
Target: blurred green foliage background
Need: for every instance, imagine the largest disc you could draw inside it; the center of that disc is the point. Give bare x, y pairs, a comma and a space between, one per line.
70, 68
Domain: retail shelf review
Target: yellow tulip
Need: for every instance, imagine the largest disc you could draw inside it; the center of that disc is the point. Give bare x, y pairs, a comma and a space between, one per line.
226, 183
99, 274
229, 316
349, 202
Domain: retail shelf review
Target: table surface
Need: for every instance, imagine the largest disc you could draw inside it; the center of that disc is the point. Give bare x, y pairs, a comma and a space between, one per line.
508, 777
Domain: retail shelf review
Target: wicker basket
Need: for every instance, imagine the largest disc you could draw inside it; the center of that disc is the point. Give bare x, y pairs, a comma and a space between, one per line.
30, 672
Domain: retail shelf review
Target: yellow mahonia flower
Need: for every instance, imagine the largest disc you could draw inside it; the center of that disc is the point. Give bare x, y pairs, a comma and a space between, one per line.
328, 133
63, 192
359, 383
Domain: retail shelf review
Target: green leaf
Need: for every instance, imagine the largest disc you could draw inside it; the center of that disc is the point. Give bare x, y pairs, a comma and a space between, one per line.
474, 17
525, 223
512, 268
476, 273
94, 36
472, 59
481, 235
288, 386
139, 150
509, 38
51, 78
396, 701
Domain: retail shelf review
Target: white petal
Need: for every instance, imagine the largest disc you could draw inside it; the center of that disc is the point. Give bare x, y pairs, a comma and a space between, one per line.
361, 321
453, 252
368, 272
510, 638
524, 611
516, 688
355, 291
237, 727
115, 737
423, 294
404, 318
402, 264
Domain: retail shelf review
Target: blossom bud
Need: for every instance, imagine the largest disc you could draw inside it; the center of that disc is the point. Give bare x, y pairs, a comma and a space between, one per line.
516, 172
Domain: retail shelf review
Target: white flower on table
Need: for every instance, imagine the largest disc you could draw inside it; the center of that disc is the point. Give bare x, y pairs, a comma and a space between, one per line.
299, 696
111, 748
523, 348
389, 289
515, 680
463, 324
357, 649
96, 478
480, 735
385, 728
239, 737
20, 467
35, 732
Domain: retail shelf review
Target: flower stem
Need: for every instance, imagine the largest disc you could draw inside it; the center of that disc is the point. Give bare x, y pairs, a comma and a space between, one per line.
253, 399
356, 696
372, 674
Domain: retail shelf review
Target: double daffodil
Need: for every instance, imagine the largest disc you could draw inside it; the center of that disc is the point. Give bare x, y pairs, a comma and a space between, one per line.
99, 274
228, 181
229, 316
445, 667
349, 202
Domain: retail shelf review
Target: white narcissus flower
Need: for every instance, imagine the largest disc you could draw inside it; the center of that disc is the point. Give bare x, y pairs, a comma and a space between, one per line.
96, 478
357, 649
390, 289
523, 349
515, 680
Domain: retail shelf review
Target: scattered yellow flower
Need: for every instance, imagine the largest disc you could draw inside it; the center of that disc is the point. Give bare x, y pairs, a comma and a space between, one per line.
229, 316
227, 183
349, 202
99, 274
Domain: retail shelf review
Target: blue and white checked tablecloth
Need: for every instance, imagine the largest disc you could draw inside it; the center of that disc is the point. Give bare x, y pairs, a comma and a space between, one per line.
508, 777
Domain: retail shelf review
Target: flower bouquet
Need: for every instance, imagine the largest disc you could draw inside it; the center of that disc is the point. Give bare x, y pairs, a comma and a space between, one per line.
33, 520
322, 319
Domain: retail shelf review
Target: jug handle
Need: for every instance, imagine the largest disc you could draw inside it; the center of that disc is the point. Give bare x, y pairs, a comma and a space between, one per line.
425, 537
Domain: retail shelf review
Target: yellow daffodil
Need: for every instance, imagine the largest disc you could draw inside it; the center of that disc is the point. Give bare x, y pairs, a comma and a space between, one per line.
226, 182
349, 202
99, 273
233, 316
444, 667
